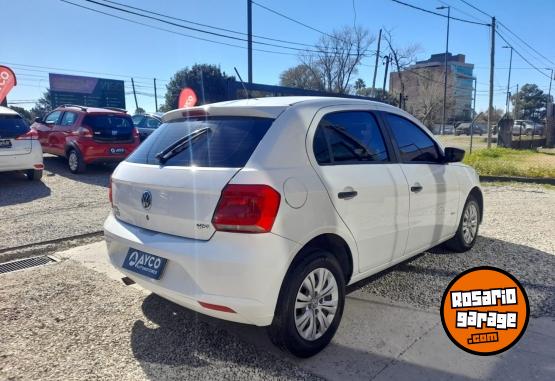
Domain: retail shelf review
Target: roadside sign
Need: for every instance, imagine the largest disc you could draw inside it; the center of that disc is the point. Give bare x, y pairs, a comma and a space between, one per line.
7, 81
86, 91
187, 98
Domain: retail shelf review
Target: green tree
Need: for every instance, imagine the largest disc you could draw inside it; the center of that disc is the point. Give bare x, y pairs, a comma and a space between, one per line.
530, 102
140, 111
360, 86
208, 82
302, 77
42, 106
24, 113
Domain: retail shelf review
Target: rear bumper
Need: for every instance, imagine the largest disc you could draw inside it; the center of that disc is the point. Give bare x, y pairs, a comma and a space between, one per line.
22, 162
243, 272
96, 152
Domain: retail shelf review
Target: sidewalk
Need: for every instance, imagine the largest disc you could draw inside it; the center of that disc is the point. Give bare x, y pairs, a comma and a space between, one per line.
380, 340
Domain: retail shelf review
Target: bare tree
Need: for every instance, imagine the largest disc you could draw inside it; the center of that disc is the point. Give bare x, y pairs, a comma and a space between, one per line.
428, 105
337, 56
400, 57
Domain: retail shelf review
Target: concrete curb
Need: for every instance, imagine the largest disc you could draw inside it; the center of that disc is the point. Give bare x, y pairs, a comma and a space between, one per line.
529, 180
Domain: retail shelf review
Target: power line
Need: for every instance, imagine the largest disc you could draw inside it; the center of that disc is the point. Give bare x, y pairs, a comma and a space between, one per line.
523, 58
206, 25
477, 9
173, 31
293, 20
461, 11
525, 43
196, 29
439, 14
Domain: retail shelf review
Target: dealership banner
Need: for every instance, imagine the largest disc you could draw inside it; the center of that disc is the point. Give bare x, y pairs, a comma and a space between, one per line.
7, 81
86, 91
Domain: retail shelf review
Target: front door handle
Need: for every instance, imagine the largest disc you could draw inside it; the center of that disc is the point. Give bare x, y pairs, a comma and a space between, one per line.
416, 188
347, 195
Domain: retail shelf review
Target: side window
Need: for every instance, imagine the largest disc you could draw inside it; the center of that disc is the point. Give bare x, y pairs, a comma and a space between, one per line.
352, 137
152, 123
68, 119
414, 144
53, 117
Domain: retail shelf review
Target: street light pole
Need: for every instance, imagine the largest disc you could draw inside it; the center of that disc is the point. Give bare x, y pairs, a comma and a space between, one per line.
509, 80
445, 69
550, 79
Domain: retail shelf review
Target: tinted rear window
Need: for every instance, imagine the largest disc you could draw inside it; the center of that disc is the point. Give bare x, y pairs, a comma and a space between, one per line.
109, 122
229, 143
12, 126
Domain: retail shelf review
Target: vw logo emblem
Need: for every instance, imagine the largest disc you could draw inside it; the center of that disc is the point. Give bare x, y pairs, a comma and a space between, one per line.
146, 199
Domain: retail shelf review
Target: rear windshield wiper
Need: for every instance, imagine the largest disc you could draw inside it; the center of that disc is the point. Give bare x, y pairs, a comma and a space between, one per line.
180, 144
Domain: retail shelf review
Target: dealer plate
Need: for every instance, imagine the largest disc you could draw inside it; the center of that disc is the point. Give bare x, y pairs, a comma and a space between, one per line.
5, 143
146, 264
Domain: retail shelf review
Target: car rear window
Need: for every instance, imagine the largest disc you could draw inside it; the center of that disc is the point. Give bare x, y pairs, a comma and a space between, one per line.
229, 142
100, 122
12, 126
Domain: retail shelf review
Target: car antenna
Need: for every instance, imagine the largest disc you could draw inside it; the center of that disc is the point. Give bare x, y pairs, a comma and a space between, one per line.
242, 83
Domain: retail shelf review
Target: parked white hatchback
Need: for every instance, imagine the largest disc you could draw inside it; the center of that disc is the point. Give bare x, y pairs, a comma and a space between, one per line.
20, 149
260, 211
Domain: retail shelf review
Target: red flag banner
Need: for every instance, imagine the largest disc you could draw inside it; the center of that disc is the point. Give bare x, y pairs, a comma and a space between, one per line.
187, 98
7, 81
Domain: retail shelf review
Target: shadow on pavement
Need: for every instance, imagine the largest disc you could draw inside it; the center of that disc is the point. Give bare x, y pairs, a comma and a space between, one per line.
15, 189
381, 336
95, 174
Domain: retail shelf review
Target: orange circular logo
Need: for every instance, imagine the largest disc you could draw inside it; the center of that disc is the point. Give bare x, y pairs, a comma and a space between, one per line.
485, 310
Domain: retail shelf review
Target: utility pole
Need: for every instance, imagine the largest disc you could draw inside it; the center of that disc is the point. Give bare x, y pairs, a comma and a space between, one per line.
376, 66
491, 70
445, 69
155, 97
509, 80
550, 79
474, 115
385, 74
249, 21
134, 94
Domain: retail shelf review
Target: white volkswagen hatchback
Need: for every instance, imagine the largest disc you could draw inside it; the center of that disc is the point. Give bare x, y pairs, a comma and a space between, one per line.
20, 149
260, 211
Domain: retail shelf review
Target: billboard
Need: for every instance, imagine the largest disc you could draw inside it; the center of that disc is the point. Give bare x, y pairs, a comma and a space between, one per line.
86, 91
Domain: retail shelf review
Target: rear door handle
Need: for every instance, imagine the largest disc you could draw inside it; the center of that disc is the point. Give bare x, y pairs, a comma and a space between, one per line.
347, 195
416, 188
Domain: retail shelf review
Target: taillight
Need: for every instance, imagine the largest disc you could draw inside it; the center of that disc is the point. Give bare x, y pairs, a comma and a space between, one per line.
246, 208
110, 192
85, 132
31, 135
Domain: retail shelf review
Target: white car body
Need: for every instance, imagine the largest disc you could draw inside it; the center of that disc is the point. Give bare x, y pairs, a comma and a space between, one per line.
385, 224
24, 152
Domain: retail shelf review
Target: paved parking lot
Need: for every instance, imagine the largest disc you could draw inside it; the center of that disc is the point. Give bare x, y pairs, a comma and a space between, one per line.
69, 320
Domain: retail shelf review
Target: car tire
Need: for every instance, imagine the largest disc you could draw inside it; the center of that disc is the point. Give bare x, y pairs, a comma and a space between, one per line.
34, 174
75, 161
467, 232
289, 318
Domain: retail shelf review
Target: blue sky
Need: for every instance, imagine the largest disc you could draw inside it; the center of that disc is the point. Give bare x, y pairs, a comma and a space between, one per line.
52, 34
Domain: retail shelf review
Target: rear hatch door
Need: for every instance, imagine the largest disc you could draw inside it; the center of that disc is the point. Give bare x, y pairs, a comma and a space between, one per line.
13, 126
179, 196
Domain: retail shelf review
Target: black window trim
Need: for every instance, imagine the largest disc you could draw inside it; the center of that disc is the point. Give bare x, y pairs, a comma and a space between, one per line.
396, 146
391, 153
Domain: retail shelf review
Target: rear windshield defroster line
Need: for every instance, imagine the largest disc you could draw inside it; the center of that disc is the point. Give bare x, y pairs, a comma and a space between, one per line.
230, 143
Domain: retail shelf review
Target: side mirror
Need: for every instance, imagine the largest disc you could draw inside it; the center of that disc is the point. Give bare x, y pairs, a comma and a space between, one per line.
38, 120
453, 155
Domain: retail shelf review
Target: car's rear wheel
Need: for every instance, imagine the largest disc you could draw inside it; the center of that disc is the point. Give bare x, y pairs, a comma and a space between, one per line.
75, 161
33, 174
310, 305
467, 231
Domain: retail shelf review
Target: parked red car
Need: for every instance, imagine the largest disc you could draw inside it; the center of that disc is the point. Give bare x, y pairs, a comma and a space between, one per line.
86, 135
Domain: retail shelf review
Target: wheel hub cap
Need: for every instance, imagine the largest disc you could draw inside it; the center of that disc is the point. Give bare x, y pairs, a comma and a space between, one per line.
316, 304
470, 223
